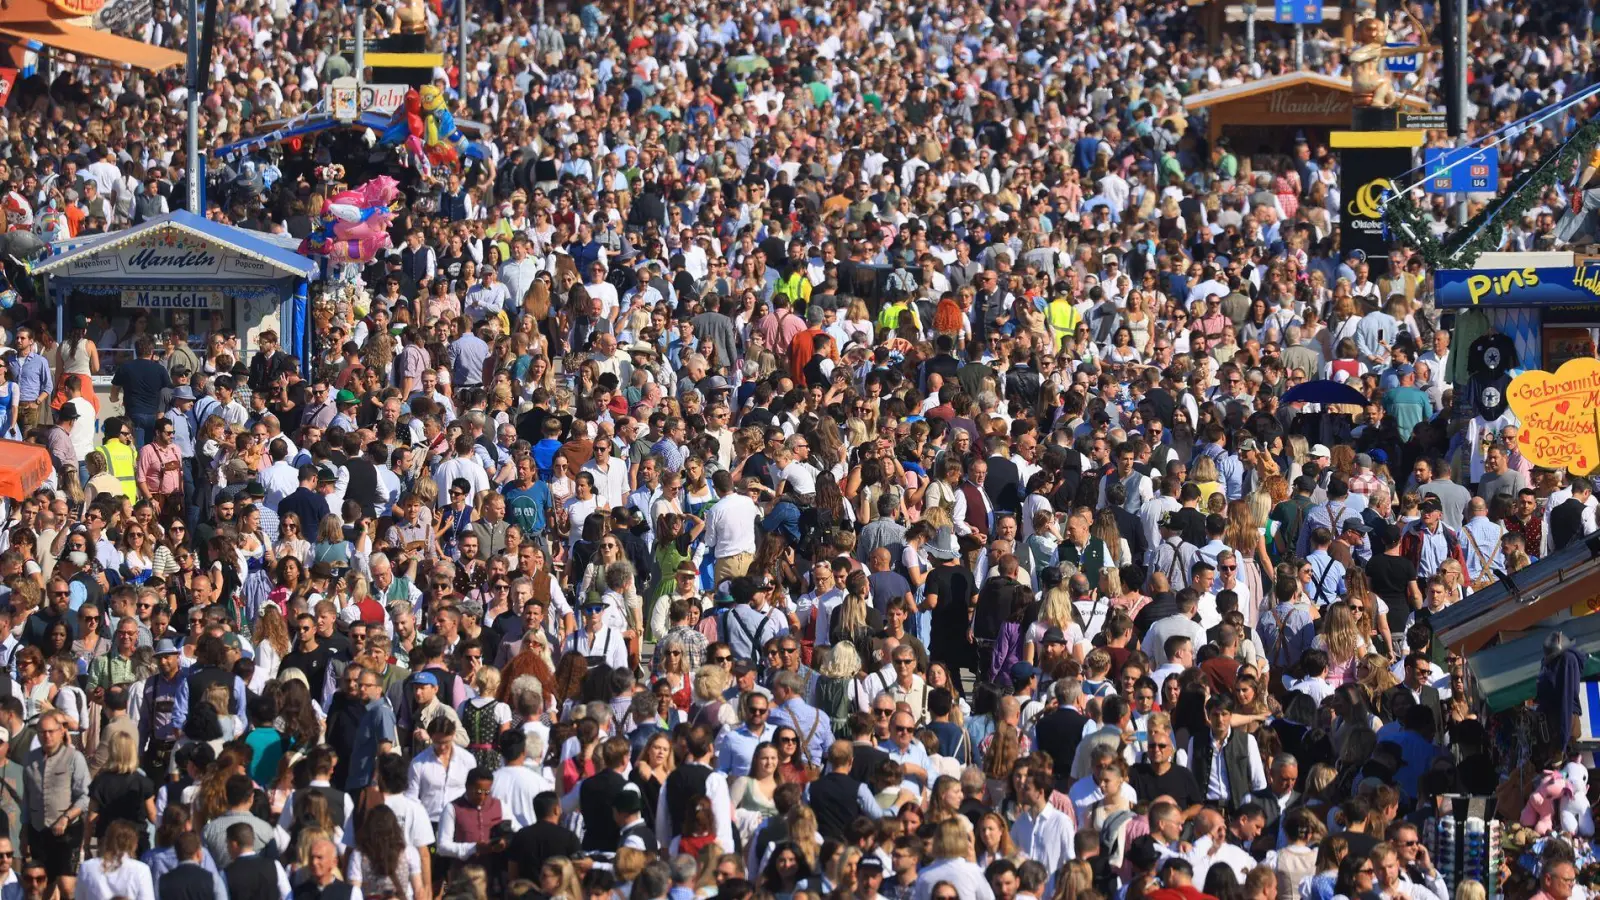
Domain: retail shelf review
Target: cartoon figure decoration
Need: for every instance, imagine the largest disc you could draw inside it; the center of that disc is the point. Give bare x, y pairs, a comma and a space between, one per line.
1576, 817
355, 223
1369, 75
444, 143
1543, 808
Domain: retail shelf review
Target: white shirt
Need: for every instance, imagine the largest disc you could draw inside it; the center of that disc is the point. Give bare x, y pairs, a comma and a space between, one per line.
282, 479
958, 511
1046, 837
1215, 783
1202, 857
821, 606
435, 786
466, 467
82, 430
964, 876
721, 807
131, 879
515, 787
1317, 689
607, 642
414, 823
731, 528
611, 483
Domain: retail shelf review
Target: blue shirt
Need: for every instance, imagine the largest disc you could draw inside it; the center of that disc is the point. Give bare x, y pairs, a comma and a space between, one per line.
377, 728
816, 734
33, 377
784, 519
468, 353
527, 506
737, 746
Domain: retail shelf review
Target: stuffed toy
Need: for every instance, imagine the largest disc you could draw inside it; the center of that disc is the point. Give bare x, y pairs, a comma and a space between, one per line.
1545, 801
1576, 817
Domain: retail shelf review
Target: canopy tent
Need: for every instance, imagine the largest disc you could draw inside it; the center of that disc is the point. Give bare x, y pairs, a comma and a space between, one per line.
1535, 596
182, 262
69, 38
168, 231
23, 468
1506, 674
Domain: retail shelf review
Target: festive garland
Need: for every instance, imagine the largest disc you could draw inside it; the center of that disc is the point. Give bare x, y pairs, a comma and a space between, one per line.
1485, 232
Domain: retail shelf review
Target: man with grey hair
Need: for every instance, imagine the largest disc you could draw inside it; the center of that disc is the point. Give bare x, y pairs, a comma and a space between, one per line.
1279, 796
788, 708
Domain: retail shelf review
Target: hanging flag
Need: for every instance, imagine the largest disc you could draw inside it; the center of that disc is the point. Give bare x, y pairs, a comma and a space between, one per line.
8, 77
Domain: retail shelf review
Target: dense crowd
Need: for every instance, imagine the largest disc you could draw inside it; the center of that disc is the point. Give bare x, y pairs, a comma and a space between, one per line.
820, 451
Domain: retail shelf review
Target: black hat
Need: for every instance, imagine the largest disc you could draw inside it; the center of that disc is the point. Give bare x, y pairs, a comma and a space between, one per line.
67, 412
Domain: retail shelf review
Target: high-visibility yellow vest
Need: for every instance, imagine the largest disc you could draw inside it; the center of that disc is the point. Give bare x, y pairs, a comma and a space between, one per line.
120, 462
889, 316
1063, 318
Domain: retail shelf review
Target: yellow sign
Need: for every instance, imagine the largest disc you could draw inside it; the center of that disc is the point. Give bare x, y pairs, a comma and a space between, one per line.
1365, 202
1558, 412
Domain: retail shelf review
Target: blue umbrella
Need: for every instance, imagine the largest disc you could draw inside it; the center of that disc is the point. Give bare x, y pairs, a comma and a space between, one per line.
1324, 391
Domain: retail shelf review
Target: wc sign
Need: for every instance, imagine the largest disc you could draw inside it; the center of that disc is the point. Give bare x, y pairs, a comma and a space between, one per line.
1402, 65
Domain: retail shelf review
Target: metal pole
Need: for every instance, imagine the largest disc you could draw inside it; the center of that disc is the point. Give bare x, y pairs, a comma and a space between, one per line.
192, 131
541, 13
461, 49
361, 44
1299, 47
1460, 64
1249, 32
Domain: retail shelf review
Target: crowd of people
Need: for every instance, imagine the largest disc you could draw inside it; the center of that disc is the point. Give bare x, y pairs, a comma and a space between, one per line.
825, 452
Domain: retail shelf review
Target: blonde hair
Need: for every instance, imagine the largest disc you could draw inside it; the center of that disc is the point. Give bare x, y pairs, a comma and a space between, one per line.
841, 661
487, 681
709, 683
1339, 633
1204, 470
124, 757
951, 841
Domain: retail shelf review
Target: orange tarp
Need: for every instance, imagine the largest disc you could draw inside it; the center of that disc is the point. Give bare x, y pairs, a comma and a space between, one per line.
91, 43
23, 467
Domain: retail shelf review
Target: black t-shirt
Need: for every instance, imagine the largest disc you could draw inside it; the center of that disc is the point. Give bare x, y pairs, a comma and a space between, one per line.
1191, 526
313, 664
1179, 784
1391, 578
540, 841
141, 382
119, 796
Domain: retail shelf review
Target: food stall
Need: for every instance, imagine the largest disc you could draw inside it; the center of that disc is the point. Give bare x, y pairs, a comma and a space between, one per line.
179, 270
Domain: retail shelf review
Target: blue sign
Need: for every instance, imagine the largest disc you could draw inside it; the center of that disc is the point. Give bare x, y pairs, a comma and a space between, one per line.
1559, 286
1401, 65
1467, 169
1298, 12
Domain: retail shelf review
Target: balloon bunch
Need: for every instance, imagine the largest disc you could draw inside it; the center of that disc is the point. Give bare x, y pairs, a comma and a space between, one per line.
427, 129
355, 223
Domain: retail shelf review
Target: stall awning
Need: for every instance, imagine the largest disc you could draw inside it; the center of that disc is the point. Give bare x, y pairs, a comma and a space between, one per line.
1521, 601
23, 467
179, 246
1506, 675
94, 44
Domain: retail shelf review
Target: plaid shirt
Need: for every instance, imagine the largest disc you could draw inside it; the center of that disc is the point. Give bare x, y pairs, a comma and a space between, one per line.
694, 646
1364, 483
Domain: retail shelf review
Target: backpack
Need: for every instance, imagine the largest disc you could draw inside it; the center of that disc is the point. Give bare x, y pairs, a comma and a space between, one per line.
832, 698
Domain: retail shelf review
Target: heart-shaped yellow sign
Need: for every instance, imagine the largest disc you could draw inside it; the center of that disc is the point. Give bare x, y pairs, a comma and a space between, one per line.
1557, 411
